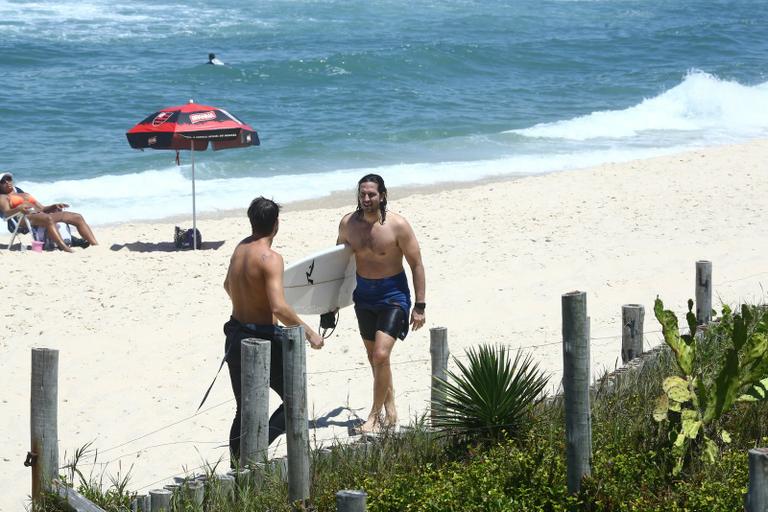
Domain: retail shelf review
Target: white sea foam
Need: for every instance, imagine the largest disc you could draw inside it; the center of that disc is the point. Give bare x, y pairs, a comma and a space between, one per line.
104, 20
167, 192
717, 110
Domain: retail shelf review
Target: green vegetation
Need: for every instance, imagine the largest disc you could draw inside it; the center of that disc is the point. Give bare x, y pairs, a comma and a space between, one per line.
491, 396
711, 383
636, 465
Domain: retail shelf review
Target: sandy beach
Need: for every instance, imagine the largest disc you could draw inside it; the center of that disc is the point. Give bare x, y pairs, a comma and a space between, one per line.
139, 325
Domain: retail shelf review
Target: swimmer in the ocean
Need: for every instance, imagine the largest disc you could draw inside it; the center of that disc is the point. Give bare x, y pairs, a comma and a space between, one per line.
213, 60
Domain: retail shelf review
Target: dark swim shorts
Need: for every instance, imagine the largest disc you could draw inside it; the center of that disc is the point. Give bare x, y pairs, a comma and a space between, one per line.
391, 321
382, 305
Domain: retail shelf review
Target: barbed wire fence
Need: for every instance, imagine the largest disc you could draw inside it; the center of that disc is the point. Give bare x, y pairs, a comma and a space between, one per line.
651, 339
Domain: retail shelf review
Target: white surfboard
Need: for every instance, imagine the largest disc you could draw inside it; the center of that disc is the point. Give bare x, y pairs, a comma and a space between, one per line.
321, 282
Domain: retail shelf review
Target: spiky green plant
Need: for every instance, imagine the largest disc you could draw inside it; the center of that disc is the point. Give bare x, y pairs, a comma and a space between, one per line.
693, 402
489, 396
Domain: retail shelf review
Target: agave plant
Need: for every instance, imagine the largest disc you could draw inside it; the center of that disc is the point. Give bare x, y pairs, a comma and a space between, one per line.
490, 395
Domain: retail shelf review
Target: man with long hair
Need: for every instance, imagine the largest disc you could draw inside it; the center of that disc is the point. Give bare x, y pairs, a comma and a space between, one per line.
380, 239
254, 283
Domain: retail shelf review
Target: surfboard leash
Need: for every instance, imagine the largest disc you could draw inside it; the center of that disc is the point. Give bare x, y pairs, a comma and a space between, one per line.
328, 321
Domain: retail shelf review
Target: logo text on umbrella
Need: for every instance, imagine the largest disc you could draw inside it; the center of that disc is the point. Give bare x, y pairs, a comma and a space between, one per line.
199, 117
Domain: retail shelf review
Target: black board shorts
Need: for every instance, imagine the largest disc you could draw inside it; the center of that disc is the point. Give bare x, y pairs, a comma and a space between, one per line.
391, 321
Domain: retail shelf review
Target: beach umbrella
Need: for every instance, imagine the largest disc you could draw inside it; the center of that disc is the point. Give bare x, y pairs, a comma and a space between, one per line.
191, 127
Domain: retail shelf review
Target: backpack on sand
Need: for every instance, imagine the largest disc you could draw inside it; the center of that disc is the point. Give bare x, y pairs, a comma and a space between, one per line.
183, 238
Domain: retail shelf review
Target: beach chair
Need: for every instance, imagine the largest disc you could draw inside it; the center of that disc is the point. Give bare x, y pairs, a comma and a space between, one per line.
18, 224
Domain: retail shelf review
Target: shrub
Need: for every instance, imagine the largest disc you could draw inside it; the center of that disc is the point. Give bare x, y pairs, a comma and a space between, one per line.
491, 396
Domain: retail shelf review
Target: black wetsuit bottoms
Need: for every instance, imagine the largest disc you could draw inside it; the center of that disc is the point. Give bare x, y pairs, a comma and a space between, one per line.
235, 333
382, 305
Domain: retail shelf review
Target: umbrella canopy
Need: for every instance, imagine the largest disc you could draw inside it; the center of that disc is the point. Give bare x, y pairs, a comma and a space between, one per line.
191, 127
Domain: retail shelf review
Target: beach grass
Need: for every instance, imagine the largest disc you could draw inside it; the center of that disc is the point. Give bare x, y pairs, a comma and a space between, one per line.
421, 469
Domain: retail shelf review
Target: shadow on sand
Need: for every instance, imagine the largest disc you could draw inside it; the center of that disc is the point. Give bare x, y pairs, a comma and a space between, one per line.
327, 421
163, 246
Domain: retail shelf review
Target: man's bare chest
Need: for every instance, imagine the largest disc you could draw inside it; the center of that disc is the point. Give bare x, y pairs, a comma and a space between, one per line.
375, 239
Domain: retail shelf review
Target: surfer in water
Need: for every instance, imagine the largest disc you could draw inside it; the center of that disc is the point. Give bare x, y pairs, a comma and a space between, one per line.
213, 60
254, 283
380, 240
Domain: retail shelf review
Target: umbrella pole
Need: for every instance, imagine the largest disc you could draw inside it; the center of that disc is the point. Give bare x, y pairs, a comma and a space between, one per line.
194, 211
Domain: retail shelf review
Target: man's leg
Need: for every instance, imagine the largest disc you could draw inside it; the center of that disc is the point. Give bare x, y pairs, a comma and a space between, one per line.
233, 364
277, 420
383, 393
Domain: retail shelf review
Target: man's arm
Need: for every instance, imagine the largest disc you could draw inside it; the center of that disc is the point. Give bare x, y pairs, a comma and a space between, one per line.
406, 239
273, 281
226, 281
342, 236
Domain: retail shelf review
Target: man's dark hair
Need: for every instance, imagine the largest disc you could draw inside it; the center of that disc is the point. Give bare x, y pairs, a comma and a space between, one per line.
263, 215
382, 189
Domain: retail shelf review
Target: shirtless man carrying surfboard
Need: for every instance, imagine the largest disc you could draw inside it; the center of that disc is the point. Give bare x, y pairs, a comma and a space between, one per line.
254, 283
380, 239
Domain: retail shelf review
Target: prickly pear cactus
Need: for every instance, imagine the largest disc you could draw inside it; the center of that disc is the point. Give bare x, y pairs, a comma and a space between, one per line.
693, 402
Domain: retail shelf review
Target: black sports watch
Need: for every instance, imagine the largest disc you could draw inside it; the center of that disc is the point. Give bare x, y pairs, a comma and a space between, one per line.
420, 305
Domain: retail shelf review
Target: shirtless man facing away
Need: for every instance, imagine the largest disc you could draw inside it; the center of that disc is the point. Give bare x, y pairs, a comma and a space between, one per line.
254, 283
379, 240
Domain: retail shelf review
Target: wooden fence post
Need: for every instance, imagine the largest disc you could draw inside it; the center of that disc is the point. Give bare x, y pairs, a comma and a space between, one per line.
227, 485
44, 447
160, 500
254, 424
703, 292
438, 349
350, 501
576, 377
632, 317
757, 496
74, 499
296, 418
141, 503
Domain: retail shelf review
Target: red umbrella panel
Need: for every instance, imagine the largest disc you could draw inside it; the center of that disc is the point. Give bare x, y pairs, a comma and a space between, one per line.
192, 127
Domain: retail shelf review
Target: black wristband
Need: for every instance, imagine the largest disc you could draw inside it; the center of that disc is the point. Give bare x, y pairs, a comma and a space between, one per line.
420, 305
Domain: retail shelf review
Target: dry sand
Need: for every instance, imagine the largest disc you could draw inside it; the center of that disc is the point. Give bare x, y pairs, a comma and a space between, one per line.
138, 324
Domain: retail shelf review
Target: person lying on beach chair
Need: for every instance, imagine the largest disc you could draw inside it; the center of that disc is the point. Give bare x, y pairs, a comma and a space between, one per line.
13, 201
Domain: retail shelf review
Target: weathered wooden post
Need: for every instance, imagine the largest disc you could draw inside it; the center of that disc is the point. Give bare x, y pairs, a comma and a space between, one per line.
254, 422
576, 377
227, 486
141, 503
703, 292
757, 496
296, 420
74, 499
43, 455
160, 500
632, 317
195, 492
350, 501
438, 349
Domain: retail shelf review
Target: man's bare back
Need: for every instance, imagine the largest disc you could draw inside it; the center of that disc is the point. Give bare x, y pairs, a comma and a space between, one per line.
246, 283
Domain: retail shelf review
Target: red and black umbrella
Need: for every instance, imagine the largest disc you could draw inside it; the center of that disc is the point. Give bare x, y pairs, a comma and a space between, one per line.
192, 127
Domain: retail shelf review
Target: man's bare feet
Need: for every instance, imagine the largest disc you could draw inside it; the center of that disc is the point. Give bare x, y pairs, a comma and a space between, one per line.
371, 426
390, 411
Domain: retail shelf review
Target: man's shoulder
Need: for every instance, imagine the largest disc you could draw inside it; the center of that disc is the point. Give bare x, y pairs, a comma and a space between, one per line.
257, 253
396, 220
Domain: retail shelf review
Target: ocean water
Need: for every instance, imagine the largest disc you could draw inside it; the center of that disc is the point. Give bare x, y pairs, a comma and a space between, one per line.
418, 91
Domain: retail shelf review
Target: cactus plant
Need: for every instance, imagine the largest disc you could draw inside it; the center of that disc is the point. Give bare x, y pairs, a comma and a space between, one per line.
693, 401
